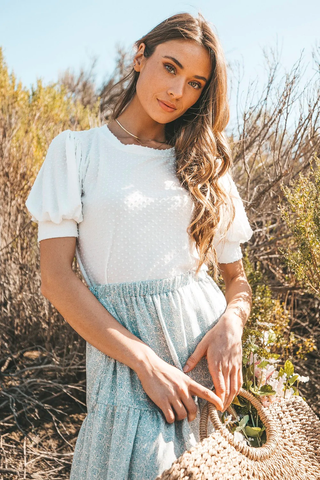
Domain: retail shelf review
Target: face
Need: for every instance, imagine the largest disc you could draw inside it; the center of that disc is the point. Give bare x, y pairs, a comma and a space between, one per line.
172, 79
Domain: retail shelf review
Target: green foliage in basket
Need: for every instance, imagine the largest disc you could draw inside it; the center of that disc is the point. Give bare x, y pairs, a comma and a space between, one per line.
267, 372
265, 381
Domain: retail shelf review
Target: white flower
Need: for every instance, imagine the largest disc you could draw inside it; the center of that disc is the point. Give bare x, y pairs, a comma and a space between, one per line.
269, 337
273, 360
239, 437
263, 374
270, 369
288, 393
277, 385
303, 379
228, 419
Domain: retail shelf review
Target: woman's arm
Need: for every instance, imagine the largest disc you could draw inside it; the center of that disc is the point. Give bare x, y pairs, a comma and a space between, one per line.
238, 291
222, 345
167, 386
81, 309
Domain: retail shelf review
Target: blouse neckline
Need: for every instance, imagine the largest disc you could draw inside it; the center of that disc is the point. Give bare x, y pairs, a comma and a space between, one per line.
139, 149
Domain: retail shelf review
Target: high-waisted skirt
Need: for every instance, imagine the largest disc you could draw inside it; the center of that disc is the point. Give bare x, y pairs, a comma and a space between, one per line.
125, 435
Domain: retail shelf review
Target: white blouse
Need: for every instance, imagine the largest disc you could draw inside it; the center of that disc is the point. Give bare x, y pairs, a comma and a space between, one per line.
125, 205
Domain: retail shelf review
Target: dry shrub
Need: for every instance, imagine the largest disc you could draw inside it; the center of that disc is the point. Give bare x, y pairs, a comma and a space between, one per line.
42, 371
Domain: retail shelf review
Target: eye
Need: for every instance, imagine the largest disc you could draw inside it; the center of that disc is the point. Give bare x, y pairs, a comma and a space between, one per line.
169, 67
198, 85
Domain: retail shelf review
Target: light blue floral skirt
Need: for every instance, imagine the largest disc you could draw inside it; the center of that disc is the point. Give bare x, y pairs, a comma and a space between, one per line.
125, 435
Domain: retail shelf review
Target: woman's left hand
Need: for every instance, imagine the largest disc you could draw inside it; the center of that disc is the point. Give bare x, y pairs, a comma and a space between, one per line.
222, 346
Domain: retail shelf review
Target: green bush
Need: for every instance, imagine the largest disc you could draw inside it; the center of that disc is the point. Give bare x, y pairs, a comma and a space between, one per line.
269, 322
301, 214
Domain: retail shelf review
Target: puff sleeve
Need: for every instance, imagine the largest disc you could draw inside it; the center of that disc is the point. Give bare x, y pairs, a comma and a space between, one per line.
228, 249
54, 200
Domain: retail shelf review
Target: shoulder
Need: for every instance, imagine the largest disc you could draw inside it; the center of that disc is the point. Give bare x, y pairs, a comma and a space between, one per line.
228, 184
80, 136
78, 142
84, 138
71, 148
87, 134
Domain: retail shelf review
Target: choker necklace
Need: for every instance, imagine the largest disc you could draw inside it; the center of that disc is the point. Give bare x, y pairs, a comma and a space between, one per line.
135, 136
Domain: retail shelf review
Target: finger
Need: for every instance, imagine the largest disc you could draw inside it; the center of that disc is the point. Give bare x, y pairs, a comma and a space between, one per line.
168, 413
226, 376
196, 356
233, 386
218, 381
206, 394
190, 405
179, 408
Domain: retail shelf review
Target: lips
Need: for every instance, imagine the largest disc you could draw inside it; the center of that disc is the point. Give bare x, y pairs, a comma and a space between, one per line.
167, 106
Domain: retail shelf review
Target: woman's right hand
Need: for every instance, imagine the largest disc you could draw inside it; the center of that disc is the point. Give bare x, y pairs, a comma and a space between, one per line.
171, 390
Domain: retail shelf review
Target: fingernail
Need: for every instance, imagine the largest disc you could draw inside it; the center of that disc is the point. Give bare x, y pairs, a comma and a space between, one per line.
186, 368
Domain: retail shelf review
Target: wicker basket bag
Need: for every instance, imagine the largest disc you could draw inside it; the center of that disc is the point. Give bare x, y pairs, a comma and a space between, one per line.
291, 452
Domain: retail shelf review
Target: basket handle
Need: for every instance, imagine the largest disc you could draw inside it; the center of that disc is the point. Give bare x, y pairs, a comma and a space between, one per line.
254, 453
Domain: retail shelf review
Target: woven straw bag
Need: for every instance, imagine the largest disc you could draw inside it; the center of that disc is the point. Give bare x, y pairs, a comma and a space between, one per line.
291, 452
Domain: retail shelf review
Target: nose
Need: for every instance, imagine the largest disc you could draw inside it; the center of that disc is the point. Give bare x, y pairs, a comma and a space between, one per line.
176, 88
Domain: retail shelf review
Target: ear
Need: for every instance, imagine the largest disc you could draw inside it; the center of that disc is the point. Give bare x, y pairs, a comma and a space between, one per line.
139, 57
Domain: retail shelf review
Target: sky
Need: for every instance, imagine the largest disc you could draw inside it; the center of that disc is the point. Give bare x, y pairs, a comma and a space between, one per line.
41, 39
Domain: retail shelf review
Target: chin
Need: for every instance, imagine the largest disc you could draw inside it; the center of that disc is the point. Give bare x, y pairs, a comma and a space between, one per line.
164, 118
163, 122
158, 118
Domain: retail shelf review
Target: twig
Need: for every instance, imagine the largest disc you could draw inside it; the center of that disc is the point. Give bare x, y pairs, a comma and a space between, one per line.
9, 470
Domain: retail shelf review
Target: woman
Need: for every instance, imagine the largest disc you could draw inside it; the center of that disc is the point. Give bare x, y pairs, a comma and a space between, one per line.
147, 204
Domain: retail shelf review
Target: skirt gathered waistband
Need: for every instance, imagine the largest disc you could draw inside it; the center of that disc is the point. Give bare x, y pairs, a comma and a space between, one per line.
151, 287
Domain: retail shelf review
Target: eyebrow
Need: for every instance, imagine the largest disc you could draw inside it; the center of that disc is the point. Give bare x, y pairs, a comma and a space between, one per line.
181, 66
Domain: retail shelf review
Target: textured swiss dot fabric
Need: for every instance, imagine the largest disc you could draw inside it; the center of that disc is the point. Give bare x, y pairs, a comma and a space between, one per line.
125, 205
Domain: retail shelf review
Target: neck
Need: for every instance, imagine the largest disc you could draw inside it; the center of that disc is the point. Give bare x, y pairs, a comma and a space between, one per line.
138, 122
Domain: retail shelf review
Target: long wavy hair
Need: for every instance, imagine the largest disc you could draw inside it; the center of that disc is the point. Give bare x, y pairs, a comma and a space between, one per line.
202, 151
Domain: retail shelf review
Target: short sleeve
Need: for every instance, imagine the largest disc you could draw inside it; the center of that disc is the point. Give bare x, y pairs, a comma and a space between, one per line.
54, 201
228, 248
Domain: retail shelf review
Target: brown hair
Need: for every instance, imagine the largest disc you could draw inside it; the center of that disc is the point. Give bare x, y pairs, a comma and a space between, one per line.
202, 150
